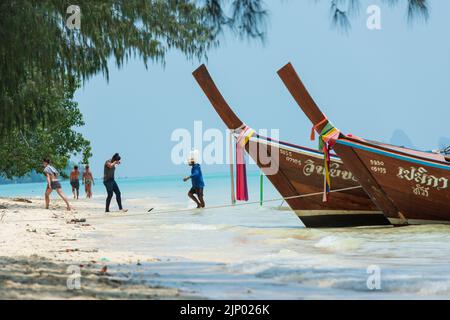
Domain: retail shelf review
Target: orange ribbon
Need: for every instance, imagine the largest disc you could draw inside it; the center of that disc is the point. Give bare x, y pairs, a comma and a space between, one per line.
313, 130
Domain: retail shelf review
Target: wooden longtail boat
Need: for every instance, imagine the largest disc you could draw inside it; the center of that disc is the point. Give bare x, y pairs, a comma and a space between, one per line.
409, 186
300, 172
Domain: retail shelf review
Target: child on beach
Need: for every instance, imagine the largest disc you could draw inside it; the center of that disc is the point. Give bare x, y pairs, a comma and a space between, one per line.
88, 181
52, 183
197, 183
75, 182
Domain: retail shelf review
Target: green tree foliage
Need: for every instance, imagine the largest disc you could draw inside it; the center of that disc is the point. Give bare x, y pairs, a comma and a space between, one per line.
342, 11
23, 148
37, 46
41, 59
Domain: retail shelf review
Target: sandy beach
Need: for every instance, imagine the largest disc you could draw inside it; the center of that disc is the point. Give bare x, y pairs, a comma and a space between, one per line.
40, 249
177, 252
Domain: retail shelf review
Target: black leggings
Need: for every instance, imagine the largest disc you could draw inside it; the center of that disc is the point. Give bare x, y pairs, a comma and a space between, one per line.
112, 187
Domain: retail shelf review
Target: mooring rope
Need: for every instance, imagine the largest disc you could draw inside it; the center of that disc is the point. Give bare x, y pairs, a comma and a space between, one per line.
191, 209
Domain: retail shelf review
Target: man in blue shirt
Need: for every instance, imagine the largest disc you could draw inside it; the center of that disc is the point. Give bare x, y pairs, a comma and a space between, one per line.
197, 184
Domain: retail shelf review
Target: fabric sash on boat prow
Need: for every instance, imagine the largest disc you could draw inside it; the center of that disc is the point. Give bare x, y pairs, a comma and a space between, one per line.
315, 127
241, 172
327, 140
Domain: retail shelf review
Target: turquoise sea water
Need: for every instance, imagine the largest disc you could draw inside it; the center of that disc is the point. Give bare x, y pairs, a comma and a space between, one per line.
254, 252
170, 188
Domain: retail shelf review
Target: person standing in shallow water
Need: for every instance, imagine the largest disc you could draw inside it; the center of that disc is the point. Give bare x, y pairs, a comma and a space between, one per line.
88, 181
197, 183
75, 182
110, 183
52, 183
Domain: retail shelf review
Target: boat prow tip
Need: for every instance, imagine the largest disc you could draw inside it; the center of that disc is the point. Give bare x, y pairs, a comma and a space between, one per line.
288, 65
200, 69
206, 83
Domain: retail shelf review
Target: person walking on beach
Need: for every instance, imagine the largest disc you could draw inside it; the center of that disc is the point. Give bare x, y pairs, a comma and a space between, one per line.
52, 183
197, 183
110, 183
88, 181
75, 182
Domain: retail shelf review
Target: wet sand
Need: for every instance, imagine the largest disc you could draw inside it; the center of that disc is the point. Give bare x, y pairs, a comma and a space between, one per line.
41, 251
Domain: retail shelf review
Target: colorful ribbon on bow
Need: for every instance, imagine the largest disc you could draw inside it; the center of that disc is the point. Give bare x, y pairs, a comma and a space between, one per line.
314, 128
328, 137
241, 172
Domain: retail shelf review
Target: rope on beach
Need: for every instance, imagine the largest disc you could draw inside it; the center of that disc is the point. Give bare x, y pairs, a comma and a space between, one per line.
193, 209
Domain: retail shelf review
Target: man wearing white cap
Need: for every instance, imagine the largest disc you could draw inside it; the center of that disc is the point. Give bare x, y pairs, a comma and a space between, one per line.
197, 182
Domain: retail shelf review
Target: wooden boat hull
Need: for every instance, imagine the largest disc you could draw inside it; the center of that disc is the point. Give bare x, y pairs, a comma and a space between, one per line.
417, 188
409, 186
300, 173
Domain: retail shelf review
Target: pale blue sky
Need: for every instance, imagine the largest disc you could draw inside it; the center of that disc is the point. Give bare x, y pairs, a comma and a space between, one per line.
370, 83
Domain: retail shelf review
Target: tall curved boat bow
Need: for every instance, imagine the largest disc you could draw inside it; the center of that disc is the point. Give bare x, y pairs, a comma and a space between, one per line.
300, 172
409, 186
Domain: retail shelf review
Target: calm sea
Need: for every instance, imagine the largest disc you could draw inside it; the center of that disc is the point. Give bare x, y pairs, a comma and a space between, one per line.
254, 252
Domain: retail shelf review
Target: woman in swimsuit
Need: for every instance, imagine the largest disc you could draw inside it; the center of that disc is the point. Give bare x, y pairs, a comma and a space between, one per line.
52, 184
88, 181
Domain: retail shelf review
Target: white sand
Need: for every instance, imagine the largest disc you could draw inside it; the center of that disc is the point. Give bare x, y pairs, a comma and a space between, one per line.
37, 246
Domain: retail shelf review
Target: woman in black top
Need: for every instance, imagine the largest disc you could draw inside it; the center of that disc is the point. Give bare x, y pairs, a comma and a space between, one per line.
111, 184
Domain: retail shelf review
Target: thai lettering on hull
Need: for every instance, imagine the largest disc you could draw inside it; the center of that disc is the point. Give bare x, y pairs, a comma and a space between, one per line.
421, 176
335, 172
420, 190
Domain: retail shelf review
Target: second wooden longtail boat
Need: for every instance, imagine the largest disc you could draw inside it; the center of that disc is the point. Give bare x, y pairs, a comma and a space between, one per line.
300, 173
409, 186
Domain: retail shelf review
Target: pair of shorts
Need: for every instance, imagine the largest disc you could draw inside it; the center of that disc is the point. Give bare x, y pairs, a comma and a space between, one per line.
75, 184
197, 191
55, 185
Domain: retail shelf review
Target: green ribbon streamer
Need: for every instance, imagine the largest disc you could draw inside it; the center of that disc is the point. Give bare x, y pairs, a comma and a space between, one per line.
325, 130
